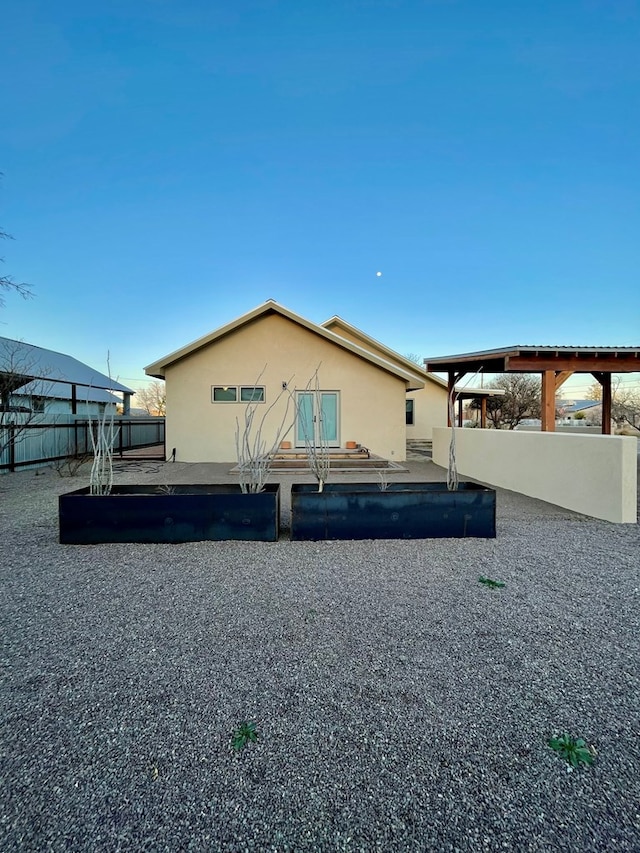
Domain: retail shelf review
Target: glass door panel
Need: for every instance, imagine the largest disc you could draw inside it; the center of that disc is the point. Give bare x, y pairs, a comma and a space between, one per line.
304, 418
317, 418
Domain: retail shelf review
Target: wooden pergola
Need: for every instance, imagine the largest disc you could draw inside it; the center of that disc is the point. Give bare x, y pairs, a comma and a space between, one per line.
556, 364
481, 395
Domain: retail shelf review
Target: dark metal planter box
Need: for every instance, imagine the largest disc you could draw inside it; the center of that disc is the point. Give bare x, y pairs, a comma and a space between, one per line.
402, 511
191, 513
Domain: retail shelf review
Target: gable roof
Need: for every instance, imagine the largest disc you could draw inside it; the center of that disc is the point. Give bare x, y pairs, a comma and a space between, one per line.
412, 379
405, 363
27, 361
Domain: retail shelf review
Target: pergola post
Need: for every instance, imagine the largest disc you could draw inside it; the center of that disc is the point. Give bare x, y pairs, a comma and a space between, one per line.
548, 407
454, 378
483, 412
605, 381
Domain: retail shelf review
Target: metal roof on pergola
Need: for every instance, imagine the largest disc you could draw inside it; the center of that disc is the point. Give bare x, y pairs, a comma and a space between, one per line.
556, 364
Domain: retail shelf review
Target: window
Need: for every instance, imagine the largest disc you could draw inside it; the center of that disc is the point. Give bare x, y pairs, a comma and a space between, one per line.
224, 394
409, 412
251, 394
37, 405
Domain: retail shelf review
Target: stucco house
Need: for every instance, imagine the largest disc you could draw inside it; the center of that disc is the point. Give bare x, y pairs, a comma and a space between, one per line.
426, 407
270, 350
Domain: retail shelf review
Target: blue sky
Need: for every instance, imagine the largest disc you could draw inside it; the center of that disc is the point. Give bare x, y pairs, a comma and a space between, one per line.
170, 165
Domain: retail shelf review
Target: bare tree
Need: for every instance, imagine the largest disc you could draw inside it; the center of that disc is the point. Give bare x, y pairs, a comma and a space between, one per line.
22, 389
594, 392
153, 399
625, 402
521, 399
415, 358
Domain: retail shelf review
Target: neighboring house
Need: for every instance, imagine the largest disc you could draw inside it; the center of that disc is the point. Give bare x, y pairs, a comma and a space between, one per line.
42, 381
425, 407
54, 398
579, 410
270, 355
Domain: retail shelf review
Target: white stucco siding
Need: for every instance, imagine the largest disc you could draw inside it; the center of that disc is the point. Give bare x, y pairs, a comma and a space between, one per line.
430, 410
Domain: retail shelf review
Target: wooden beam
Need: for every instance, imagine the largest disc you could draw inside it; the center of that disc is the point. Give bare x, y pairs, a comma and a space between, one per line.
576, 363
483, 412
548, 404
561, 377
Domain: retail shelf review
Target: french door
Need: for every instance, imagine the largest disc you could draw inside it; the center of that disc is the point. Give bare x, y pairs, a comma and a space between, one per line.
317, 418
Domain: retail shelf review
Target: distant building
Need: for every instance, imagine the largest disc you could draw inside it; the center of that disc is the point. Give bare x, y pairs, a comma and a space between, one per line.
579, 410
41, 381
55, 398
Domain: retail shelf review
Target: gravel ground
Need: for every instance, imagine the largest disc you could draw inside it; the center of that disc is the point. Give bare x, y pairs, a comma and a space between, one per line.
400, 704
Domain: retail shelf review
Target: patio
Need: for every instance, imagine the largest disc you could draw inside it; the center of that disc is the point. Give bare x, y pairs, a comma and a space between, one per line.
400, 704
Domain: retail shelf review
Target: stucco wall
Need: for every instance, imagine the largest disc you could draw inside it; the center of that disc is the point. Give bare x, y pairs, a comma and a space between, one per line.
371, 400
430, 410
592, 474
430, 406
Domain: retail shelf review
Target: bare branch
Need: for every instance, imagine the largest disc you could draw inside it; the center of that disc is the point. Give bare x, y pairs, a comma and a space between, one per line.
315, 441
254, 454
103, 439
23, 384
7, 282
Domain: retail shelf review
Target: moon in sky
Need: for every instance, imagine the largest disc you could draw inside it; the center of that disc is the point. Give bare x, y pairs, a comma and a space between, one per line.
378, 274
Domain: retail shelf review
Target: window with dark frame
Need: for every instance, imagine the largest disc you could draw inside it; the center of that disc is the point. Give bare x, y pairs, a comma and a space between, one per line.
252, 394
224, 394
409, 412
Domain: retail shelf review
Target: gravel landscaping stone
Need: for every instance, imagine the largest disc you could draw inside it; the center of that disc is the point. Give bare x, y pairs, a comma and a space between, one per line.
401, 705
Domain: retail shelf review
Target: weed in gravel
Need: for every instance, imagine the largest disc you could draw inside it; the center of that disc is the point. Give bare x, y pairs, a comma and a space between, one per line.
574, 750
491, 583
243, 734
70, 466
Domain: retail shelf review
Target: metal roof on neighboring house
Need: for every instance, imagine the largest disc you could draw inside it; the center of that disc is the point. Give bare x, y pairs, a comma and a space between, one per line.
33, 362
571, 406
